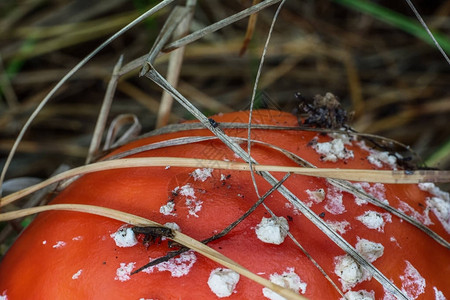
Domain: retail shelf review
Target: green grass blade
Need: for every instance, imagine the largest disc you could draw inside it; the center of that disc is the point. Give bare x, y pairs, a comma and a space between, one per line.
443, 153
395, 19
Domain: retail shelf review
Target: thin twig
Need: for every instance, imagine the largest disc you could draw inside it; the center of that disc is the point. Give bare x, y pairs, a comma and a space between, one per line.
219, 235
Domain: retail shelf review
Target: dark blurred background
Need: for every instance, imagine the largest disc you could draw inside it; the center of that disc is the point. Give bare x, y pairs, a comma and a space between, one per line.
396, 83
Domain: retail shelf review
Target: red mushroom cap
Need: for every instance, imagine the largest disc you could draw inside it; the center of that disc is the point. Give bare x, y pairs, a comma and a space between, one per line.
74, 255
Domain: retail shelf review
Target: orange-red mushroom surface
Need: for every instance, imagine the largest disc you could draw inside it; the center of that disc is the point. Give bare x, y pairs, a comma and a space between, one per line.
73, 255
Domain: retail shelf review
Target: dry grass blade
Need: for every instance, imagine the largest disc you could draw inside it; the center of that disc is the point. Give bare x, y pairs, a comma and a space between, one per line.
194, 126
167, 143
142, 222
252, 100
113, 139
174, 68
422, 22
348, 174
103, 115
172, 22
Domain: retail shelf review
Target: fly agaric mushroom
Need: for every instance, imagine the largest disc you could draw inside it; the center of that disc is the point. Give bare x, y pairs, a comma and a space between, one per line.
75, 255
